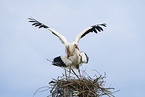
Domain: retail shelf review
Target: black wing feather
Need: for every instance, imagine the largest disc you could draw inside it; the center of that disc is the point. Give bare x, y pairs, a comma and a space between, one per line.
94, 28
103, 25
99, 28
37, 23
58, 62
86, 33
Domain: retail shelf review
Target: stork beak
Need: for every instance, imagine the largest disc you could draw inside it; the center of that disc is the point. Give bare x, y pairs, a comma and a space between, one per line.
68, 53
76, 46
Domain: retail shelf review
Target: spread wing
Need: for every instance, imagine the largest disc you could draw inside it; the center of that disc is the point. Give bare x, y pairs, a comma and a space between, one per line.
40, 25
95, 28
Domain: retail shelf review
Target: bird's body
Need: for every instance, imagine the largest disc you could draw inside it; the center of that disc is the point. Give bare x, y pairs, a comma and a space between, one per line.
74, 57
74, 61
71, 49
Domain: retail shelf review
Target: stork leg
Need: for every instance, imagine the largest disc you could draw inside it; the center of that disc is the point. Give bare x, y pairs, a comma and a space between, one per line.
78, 67
69, 72
79, 72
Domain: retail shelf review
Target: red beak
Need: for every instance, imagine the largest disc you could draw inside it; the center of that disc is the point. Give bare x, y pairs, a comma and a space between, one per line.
77, 47
67, 53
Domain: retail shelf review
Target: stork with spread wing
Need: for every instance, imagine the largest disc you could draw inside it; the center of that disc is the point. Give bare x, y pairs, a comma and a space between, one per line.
74, 56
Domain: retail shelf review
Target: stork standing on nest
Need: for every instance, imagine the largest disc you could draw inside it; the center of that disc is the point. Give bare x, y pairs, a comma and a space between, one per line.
74, 57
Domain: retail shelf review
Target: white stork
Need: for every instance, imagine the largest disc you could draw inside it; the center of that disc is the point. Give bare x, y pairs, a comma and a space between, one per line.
74, 57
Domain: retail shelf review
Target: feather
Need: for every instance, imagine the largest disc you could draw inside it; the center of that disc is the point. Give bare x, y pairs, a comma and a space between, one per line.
37, 23
103, 25
94, 28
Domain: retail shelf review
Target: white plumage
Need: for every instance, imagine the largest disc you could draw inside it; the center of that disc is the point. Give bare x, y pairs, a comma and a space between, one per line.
74, 57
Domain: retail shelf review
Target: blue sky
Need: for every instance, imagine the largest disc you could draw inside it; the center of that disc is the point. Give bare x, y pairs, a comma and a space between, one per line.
119, 50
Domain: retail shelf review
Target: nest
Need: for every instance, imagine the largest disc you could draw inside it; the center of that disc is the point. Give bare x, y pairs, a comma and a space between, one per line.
76, 86
80, 87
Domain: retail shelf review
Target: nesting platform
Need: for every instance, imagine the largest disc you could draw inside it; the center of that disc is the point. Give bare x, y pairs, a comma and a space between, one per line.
82, 87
